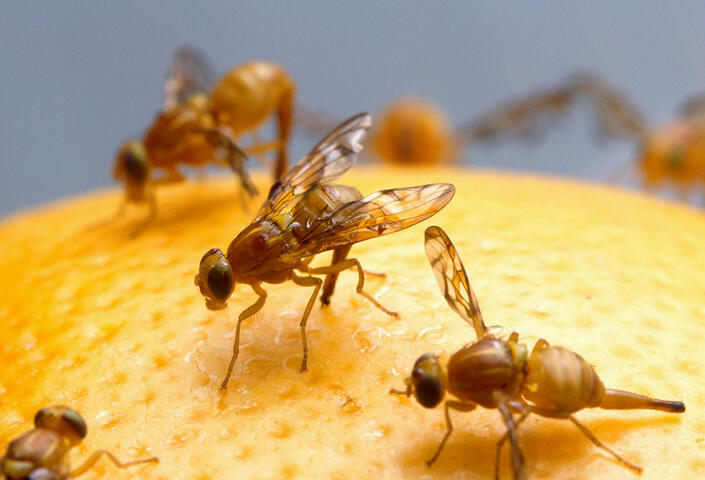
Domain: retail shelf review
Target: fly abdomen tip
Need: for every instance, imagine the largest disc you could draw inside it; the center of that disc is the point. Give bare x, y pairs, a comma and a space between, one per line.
669, 406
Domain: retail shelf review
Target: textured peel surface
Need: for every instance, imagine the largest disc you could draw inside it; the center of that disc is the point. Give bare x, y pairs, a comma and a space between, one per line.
115, 328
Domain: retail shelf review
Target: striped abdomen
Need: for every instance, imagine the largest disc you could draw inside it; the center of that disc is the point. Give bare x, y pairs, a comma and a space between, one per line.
561, 382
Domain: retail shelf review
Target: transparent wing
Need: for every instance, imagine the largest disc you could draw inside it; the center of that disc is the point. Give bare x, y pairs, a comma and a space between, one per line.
534, 112
233, 156
190, 73
315, 122
617, 116
381, 213
328, 160
693, 106
451, 277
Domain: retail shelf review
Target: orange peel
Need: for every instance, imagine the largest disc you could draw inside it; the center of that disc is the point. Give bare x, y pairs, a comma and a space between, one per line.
114, 327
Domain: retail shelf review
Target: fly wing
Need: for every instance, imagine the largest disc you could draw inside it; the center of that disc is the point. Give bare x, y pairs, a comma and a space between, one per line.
328, 160
451, 277
381, 213
533, 113
693, 106
190, 73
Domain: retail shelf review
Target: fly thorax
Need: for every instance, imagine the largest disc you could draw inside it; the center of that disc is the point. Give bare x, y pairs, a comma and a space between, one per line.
41, 447
483, 368
255, 245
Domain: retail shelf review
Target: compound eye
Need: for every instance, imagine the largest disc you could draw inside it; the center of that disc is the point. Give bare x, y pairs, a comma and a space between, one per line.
427, 380
429, 391
134, 162
75, 421
220, 280
63, 420
215, 277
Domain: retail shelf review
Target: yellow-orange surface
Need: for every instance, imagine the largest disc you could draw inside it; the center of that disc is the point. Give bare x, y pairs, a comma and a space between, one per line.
114, 327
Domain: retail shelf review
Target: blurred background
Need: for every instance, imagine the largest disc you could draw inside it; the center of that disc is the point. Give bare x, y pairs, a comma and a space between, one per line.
78, 78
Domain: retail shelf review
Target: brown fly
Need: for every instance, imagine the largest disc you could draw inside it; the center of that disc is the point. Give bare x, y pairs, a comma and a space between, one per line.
304, 215
550, 381
40, 454
200, 121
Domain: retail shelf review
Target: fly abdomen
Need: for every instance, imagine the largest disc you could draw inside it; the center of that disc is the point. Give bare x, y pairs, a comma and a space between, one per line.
560, 381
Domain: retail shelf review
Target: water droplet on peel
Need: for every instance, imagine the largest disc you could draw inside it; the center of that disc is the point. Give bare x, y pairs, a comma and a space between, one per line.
434, 334
374, 430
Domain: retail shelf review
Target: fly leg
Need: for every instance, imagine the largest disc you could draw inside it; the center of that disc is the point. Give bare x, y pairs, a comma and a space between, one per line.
525, 411
621, 400
285, 117
339, 255
247, 313
316, 284
95, 456
151, 215
455, 405
259, 148
601, 445
172, 176
511, 433
344, 265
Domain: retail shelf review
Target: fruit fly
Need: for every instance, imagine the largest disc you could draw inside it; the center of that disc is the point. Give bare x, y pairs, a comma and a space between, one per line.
669, 154
491, 372
304, 215
41, 453
200, 121
414, 131
675, 153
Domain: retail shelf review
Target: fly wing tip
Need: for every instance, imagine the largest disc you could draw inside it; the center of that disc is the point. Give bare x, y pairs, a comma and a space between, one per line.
431, 231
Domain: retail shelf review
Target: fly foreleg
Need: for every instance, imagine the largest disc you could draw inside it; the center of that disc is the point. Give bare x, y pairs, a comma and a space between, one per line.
247, 313
151, 215
455, 405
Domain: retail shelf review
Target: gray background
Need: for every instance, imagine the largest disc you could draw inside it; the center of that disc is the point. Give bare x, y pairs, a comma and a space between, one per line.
77, 78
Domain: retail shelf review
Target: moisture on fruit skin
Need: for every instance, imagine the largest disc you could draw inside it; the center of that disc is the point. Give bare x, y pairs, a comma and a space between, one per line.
492, 372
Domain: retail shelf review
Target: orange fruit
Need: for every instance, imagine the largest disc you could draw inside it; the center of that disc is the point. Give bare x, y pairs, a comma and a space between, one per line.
115, 328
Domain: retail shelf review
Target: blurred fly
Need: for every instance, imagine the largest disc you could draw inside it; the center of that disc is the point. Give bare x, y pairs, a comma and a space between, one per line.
200, 121
41, 453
